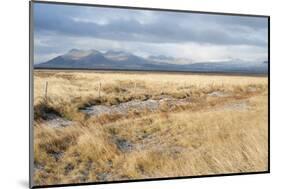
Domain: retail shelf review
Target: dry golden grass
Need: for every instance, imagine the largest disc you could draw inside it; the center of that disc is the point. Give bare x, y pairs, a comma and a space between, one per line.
212, 135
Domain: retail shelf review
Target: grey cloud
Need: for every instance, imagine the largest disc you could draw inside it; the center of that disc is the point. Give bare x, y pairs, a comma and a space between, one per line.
165, 27
59, 28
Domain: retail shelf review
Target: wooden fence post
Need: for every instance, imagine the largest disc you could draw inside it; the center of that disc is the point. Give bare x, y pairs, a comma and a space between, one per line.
135, 88
99, 89
46, 91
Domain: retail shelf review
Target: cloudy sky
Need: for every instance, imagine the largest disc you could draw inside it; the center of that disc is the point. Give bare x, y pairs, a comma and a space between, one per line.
199, 37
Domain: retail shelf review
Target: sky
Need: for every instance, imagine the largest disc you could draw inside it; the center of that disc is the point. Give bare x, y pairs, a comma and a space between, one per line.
197, 37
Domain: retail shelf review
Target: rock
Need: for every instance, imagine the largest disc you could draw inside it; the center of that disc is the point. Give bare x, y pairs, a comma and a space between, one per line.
102, 176
123, 145
57, 122
138, 105
217, 94
56, 155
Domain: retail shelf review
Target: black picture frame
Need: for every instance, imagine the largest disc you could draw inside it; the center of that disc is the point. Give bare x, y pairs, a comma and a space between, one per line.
31, 54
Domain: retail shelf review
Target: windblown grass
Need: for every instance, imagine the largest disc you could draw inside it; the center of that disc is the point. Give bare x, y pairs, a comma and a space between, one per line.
211, 135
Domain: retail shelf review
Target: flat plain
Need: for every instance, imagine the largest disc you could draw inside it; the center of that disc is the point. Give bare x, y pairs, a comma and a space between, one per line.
102, 126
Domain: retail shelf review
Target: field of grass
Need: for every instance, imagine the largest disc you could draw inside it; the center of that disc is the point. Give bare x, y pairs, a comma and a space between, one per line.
202, 124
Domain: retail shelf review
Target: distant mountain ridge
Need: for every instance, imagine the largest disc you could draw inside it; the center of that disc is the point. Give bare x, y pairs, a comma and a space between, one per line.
120, 60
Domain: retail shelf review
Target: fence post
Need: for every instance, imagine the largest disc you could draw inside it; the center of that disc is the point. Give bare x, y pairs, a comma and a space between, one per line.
99, 89
46, 91
135, 88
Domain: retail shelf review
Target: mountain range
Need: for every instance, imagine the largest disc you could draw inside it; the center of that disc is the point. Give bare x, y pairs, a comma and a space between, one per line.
120, 60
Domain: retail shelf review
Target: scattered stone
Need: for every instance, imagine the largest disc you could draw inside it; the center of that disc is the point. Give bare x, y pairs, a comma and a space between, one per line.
49, 116
97, 110
38, 167
102, 176
138, 105
68, 168
57, 122
124, 108
56, 155
218, 94
123, 145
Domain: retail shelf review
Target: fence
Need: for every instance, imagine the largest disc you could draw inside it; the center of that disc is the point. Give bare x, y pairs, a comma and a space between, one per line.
99, 90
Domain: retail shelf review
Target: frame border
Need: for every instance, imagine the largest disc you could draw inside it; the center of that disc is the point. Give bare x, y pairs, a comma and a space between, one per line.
31, 61
31, 69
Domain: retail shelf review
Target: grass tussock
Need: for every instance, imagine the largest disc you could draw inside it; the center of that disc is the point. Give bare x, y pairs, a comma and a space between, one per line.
222, 130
